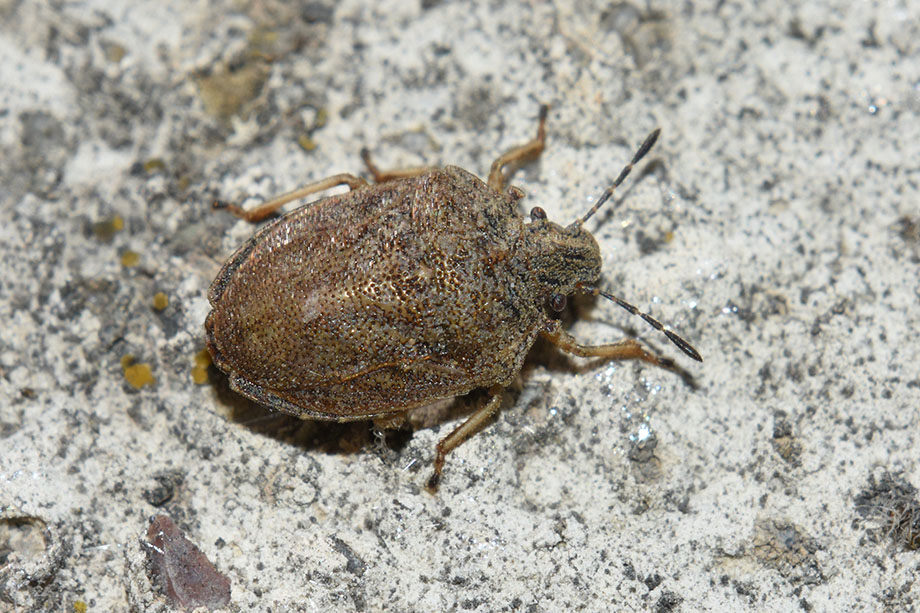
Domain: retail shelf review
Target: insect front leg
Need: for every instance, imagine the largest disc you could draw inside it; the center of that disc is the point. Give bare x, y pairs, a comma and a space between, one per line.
527, 151
264, 210
471, 426
627, 349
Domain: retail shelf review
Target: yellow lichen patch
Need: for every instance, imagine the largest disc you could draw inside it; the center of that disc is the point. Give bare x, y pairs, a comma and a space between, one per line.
203, 358
154, 164
138, 375
322, 116
80, 607
228, 89
263, 40
106, 229
306, 143
199, 375
130, 258
160, 301
114, 52
200, 370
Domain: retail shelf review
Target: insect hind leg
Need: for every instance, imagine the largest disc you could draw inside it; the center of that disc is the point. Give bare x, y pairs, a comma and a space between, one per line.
468, 428
382, 176
268, 208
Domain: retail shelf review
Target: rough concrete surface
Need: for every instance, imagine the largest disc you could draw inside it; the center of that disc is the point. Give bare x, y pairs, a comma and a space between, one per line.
775, 225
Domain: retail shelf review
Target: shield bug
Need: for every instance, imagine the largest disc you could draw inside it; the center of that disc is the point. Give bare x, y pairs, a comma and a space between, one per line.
422, 286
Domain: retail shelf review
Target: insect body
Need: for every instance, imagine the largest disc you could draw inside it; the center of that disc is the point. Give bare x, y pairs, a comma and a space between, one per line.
423, 286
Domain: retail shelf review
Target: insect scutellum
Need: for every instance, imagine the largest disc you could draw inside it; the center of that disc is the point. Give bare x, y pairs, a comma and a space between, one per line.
576, 229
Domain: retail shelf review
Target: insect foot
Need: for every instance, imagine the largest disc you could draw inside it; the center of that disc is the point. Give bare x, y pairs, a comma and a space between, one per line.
424, 285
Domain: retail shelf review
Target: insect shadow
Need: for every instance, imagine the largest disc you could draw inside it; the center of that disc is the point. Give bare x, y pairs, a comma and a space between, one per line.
328, 437
336, 438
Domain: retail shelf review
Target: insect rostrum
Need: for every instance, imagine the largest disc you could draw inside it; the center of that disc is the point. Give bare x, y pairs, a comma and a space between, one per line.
422, 286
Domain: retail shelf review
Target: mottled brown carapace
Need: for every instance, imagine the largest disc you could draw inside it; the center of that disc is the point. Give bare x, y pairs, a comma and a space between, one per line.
423, 286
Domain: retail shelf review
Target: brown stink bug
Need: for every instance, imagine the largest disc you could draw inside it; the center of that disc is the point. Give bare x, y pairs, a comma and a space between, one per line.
420, 287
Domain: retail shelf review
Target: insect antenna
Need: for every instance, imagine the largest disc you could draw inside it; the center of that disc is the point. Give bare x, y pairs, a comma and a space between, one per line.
674, 338
646, 146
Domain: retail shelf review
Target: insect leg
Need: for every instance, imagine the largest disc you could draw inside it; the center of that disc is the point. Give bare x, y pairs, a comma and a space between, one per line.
471, 426
264, 210
527, 151
627, 349
382, 176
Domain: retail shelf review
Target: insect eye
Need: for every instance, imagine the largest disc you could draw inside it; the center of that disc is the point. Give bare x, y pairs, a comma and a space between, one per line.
557, 302
537, 213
